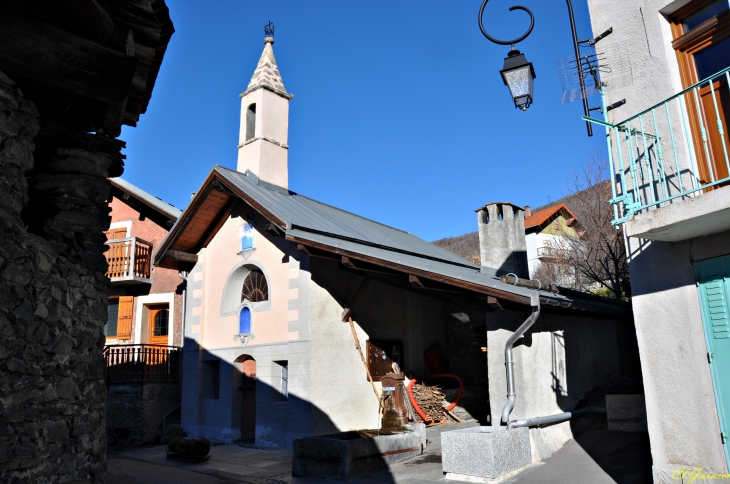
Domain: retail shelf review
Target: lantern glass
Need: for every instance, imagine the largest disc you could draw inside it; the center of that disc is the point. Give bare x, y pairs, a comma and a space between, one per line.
519, 75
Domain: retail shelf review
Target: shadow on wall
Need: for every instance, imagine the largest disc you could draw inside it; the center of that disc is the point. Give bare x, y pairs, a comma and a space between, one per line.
390, 310
588, 353
232, 395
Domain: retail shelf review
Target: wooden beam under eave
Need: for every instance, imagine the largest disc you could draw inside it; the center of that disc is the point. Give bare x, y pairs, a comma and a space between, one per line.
414, 281
93, 18
182, 256
494, 303
222, 218
347, 313
348, 263
33, 49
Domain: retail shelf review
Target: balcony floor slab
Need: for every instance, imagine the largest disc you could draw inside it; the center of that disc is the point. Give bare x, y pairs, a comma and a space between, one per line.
698, 216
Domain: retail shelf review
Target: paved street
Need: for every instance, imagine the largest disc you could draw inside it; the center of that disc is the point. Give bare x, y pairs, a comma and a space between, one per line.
617, 458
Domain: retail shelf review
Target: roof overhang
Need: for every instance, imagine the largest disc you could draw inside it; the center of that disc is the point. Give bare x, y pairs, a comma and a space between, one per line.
218, 196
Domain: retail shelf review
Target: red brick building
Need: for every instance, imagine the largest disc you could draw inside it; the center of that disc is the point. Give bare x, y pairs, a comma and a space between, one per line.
145, 305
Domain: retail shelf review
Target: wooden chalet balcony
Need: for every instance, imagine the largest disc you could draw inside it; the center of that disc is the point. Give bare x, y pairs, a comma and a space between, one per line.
142, 363
129, 261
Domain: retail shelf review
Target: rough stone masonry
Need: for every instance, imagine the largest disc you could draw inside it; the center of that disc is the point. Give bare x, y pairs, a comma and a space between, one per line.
53, 297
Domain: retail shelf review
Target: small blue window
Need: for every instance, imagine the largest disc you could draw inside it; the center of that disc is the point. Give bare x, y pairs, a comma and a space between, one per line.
246, 236
244, 325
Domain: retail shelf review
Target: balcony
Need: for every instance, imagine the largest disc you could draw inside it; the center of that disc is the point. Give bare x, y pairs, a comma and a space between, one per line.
670, 164
548, 252
142, 363
129, 261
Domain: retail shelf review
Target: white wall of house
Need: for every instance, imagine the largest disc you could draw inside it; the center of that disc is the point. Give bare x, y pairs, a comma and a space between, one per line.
682, 416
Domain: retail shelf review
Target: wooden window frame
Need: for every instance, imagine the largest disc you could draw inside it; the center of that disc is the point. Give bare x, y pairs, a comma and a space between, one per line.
153, 310
685, 45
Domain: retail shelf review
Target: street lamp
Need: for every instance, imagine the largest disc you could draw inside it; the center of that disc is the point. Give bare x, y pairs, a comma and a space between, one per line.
518, 75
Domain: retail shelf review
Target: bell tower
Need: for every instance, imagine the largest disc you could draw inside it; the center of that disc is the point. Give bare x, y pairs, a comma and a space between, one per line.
262, 145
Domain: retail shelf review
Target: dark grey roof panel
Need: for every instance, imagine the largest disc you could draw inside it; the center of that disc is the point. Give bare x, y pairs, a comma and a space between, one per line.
302, 212
152, 200
484, 278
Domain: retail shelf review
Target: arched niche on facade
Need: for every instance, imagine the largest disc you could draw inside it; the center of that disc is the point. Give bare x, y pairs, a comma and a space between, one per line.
231, 301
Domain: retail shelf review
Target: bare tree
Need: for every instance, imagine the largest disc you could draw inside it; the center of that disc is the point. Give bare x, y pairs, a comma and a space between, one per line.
599, 253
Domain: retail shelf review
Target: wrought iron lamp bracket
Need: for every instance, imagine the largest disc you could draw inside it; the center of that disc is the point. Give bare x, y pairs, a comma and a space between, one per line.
507, 42
586, 110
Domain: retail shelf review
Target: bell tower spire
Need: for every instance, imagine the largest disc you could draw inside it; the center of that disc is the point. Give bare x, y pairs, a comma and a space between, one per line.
262, 145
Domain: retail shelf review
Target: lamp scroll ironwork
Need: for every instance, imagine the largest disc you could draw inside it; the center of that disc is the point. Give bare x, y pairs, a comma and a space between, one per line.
515, 53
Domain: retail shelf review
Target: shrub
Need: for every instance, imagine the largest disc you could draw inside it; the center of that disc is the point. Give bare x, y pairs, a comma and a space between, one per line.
171, 432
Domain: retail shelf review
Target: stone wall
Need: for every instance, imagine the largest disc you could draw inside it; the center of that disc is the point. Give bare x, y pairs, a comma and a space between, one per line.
53, 292
135, 411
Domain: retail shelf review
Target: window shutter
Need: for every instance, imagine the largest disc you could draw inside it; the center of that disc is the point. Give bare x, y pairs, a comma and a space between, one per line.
124, 321
112, 319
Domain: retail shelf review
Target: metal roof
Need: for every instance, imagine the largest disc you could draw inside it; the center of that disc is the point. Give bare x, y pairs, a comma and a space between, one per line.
338, 231
154, 202
301, 212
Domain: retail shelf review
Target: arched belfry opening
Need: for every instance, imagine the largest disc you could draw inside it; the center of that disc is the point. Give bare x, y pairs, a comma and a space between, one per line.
251, 122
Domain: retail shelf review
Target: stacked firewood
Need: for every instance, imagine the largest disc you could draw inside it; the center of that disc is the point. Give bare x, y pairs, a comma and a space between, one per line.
431, 400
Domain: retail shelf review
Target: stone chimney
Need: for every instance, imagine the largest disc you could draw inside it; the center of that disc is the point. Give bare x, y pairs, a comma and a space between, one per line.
502, 242
528, 212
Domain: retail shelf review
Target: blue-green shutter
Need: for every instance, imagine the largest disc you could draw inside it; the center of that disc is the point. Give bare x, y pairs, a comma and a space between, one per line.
713, 280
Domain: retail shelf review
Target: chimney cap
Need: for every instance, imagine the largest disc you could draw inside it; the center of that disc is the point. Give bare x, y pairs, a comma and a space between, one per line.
499, 203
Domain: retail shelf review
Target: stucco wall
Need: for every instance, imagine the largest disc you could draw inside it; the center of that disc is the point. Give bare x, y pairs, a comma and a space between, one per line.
281, 329
559, 359
683, 422
682, 417
342, 397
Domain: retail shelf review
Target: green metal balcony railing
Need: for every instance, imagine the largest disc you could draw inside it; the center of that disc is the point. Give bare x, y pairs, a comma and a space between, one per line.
675, 149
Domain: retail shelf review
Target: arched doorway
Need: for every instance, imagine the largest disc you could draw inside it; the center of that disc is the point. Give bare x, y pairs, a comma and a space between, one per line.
248, 397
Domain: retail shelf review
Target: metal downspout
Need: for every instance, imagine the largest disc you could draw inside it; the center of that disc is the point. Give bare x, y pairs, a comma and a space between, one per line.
509, 362
560, 417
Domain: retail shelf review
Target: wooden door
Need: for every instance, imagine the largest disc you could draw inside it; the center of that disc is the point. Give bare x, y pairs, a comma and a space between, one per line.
717, 162
701, 31
158, 325
248, 400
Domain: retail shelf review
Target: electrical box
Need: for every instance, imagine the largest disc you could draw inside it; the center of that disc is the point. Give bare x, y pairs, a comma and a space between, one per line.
382, 355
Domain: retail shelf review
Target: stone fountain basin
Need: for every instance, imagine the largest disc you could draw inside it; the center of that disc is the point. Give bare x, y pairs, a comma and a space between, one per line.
345, 455
485, 452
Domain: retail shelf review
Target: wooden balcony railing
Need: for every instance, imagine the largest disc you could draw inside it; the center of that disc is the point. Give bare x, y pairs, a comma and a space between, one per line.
128, 258
142, 363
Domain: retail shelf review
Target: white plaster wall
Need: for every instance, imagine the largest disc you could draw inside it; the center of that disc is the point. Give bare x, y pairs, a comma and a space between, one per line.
340, 391
141, 301
548, 378
642, 27
267, 160
682, 415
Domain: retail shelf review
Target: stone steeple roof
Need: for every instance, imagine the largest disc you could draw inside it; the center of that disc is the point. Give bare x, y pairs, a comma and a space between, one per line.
267, 74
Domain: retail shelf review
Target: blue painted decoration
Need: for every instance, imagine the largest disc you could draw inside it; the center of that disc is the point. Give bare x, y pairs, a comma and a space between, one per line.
246, 234
244, 325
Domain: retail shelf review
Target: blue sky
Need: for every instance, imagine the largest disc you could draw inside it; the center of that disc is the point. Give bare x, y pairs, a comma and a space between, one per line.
399, 114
